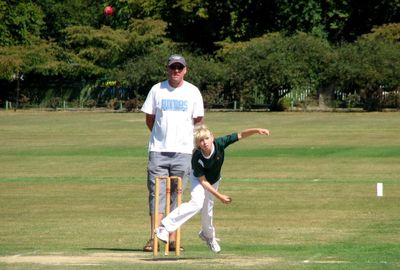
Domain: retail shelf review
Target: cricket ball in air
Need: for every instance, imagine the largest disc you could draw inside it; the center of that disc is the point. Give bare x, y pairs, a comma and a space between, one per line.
108, 11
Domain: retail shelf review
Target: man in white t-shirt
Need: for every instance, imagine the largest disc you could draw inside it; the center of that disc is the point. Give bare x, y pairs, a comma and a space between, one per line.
172, 108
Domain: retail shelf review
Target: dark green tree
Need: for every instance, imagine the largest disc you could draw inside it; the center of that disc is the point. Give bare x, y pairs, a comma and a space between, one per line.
367, 68
366, 14
273, 66
68, 13
21, 23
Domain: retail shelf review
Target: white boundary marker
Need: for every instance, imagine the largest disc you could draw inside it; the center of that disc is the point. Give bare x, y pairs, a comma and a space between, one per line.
379, 189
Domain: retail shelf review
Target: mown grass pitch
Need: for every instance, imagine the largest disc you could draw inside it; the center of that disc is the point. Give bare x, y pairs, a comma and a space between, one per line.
73, 193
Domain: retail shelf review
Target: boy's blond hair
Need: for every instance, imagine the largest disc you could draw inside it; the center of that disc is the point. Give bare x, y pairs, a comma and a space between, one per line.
200, 130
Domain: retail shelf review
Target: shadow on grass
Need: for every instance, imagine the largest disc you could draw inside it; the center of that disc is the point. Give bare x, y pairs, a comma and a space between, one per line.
173, 257
115, 249
176, 259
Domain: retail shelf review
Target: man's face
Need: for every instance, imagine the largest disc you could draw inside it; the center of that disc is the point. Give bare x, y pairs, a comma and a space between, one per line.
176, 73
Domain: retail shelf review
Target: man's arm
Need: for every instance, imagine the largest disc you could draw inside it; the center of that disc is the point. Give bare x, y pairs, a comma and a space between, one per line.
150, 118
250, 131
198, 120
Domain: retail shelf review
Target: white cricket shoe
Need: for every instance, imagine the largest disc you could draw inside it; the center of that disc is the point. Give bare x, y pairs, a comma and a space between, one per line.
162, 234
211, 242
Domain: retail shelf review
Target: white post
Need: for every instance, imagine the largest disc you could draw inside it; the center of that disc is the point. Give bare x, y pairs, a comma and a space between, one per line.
379, 189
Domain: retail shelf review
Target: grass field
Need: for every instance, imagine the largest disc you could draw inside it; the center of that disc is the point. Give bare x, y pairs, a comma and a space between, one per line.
73, 193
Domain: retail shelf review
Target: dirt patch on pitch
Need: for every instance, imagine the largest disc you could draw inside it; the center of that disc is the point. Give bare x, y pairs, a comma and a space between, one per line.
104, 258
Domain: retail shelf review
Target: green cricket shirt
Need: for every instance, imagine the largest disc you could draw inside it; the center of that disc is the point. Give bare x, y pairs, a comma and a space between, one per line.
211, 167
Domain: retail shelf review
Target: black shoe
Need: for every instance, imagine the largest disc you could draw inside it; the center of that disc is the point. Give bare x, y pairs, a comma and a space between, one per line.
149, 246
172, 246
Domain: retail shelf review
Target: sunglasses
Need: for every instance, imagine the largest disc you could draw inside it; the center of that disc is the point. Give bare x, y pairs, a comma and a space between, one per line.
176, 67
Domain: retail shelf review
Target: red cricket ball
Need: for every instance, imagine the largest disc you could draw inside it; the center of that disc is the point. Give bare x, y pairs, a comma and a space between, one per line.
108, 11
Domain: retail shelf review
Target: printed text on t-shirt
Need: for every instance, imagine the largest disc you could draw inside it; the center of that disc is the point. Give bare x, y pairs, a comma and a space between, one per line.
174, 105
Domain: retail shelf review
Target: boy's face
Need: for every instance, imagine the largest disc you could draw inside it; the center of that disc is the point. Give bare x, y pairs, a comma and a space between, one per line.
205, 142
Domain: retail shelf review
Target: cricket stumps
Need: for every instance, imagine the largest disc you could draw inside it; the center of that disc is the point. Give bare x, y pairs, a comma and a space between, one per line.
168, 180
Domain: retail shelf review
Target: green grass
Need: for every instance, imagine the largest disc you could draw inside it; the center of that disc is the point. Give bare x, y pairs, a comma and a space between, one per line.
73, 193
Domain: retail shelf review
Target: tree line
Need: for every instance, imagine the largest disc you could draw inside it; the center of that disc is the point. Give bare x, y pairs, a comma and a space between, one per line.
267, 54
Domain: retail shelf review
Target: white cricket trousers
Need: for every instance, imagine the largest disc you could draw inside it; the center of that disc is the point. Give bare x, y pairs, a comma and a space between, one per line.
201, 200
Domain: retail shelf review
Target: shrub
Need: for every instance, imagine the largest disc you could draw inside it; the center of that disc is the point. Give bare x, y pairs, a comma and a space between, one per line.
284, 104
133, 104
24, 101
114, 104
53, 103
90, 103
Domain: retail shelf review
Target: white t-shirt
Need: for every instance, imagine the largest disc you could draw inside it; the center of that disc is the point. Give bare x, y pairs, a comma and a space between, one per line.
174, 109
